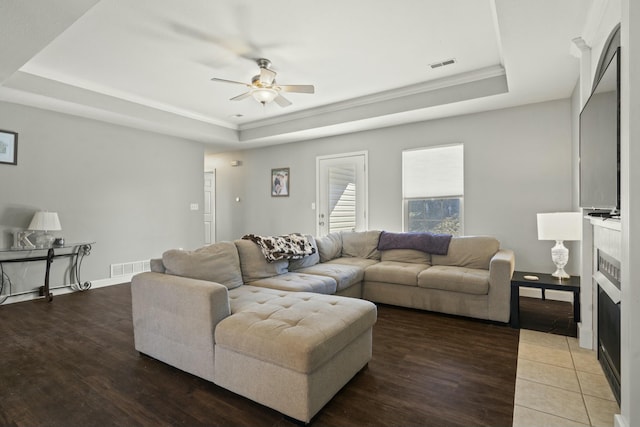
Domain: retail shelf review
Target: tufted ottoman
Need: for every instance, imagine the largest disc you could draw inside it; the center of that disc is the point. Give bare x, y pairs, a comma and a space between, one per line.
291, 351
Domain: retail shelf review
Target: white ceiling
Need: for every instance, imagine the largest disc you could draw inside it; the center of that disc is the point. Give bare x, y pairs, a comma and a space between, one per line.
148, 63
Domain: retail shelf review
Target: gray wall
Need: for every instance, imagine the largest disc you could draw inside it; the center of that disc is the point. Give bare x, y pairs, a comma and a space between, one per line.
518, 162
125, 189
130, 190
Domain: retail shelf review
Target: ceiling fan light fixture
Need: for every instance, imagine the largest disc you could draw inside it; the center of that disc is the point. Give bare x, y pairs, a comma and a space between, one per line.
263, 87
264, 95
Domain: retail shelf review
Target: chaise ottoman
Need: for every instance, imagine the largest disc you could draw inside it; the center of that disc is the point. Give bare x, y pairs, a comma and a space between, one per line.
292, 351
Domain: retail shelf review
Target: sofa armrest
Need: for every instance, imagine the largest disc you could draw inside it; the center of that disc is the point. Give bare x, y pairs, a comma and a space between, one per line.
174, 319
501, 269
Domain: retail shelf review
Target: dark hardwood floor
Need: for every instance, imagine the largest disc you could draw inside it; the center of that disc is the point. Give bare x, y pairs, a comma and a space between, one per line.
72, 363
554, 317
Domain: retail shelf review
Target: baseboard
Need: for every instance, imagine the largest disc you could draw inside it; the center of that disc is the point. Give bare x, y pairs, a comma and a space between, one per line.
585, 337
67, 289
101, 283
620, 421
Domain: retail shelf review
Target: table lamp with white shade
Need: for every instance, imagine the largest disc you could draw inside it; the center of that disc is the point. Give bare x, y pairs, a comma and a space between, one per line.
45, 221
560, 226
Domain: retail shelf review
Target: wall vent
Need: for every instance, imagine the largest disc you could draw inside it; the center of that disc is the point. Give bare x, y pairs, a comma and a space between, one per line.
442, 63
130, 268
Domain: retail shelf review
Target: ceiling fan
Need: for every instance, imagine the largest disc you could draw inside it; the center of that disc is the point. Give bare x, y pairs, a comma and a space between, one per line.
263, 87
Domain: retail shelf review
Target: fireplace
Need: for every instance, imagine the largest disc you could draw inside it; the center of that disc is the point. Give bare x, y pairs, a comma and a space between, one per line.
608, 278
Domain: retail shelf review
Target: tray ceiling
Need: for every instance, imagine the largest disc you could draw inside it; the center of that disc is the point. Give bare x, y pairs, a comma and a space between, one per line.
148, 63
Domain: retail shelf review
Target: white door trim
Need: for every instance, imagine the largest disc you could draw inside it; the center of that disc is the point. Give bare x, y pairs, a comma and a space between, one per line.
209, 211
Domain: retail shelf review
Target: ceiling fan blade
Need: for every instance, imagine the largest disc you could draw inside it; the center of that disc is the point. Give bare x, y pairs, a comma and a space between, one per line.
267, 76
241, 96
297, 88
282, 101
215, 79
234, 45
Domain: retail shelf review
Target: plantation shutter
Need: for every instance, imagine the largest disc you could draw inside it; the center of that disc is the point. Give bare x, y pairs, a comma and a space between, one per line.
342, 198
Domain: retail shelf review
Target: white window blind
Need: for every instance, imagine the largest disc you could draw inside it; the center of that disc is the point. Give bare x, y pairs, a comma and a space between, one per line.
433, 172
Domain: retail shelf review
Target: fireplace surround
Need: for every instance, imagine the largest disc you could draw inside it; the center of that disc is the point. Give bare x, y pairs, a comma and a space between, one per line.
608, 302
607, 298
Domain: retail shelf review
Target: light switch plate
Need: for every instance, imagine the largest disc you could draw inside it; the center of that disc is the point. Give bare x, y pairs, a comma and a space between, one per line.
194, 206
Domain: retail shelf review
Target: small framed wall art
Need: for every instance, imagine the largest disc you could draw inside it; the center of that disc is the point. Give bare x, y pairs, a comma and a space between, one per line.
8, 147
280, 182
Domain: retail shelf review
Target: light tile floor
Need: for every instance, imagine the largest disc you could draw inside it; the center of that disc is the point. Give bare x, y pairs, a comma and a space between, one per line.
560, 384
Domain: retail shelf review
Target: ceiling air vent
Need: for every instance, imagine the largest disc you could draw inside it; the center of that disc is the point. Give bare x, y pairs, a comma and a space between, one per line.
442, 63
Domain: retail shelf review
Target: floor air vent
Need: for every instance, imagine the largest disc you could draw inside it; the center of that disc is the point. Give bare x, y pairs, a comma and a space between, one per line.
130, 268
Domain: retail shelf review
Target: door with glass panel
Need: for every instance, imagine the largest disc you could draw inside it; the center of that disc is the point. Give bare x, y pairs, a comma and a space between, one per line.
341, 193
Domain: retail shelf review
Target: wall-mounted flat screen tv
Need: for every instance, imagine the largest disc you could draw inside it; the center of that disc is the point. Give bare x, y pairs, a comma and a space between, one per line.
600, 143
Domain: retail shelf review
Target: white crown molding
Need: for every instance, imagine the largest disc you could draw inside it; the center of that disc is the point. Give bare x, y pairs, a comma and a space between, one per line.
579, 47
385, 105
34, 91
40, 92
581, 50
419, 88
114, 93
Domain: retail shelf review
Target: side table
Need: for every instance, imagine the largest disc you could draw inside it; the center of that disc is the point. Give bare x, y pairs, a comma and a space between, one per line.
75, 251
546, 281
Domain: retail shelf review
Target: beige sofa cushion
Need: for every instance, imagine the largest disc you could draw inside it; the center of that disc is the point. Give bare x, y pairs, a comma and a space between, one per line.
361, 244
329, 246
469, 251
455, 279
401, 273
299, 282
362, 263
345, 275
254, 265
156, 265
215, 263
406, 255
308, 261
297, 330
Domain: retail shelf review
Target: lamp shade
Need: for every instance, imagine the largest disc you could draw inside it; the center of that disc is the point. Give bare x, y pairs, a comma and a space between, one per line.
264, 95
560, 226
45, 221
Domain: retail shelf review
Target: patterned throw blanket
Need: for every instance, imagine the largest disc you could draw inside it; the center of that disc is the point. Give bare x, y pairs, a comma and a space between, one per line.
276, 248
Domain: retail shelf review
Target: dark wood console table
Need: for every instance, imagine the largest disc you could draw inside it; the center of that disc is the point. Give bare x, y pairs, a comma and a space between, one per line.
545, 281
75, 251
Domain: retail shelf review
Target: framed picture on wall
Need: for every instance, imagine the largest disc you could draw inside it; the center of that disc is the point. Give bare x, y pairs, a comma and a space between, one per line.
8, 147
280, 182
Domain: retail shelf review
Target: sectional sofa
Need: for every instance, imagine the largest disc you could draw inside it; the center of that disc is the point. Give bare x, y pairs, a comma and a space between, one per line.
284, 333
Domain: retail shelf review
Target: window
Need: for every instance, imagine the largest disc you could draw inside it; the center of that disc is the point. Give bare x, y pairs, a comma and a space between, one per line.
433, 189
